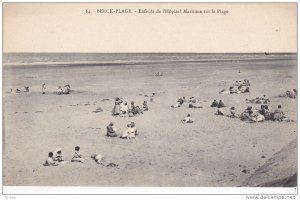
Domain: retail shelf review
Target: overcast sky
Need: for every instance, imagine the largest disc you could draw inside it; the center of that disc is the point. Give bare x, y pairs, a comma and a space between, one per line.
58, 27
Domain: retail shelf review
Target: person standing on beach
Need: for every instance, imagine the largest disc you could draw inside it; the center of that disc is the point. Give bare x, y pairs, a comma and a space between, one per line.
43, 88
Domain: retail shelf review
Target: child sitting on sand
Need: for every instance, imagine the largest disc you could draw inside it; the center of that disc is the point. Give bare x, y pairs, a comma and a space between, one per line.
50, 161
233, 113
188, 119
279, 115
77, 157
145, 106
131, 131
58, 156
219, 111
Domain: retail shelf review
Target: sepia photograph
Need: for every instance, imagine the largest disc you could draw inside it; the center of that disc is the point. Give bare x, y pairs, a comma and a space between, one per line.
141, 95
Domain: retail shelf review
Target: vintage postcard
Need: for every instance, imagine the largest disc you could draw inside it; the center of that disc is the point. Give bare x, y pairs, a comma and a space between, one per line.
150, 95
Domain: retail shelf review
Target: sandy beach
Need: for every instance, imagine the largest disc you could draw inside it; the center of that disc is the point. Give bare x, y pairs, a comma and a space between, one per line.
213, 151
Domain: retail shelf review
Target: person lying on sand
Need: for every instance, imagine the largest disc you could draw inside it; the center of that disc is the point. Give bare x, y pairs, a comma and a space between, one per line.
176, 105
131, 131
50, 161
224, 91
77, 157
111, 131
258, 100
257, 118
289, 93
150, 95
192, 105
58, 156
188, 119
98, 158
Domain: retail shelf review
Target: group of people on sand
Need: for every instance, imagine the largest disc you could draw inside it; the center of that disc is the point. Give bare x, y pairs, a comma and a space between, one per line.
65, 90
290, 93
259, 100
26, 89
238, 88
233, 90
246, 82
129, 133
261, 115
122, 109
192, 103
60, 90
56, 158
159, 74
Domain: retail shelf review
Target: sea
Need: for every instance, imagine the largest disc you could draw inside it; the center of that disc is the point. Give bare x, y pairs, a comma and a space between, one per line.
80, 59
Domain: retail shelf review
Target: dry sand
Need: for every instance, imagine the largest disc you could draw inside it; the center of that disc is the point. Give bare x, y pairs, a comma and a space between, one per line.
213, 151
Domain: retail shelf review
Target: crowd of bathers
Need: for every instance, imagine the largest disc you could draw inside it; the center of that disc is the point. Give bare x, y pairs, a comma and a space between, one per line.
259, 100
290, 94
260, 115
192, 103
238, 87
123, 109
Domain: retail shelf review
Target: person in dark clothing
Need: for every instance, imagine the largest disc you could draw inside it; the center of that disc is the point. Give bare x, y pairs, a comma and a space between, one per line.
214, 103
181, 100
110, 130
221, 104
